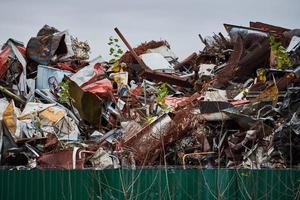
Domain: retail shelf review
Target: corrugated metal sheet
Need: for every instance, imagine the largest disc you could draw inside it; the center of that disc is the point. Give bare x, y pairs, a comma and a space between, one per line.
150, 184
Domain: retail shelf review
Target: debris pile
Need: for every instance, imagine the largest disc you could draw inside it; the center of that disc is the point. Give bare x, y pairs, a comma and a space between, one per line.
234, 104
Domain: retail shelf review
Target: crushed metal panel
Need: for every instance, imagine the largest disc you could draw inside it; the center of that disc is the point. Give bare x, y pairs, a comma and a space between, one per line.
215, 95
214, 117
294, 44
168, 78
227, 72
156, 62
3, 105
47, 76
165, 51
206, 70
10, 119
88, 104
148, 73
234, 29
191, 59
4, 55
22, 80
269, 28
254, 59
88, 74
68, 129
102, 88
65, 159
245, 121
156, 128
149, 139
130, 129
212, 110
32, 109
147, 144
213, 106
101, 160
43, 48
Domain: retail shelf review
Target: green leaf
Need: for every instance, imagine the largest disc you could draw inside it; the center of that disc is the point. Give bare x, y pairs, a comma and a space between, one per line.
163, 90
116, 40
123, 65
161, 95
111, 50
282, 58
64, 91
164, 106
120, 51
149, 119
113, 60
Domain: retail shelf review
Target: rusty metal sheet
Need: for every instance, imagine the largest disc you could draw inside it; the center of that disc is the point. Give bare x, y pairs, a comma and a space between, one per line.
227, 72
232, 29
285, 81
167, 78
275, 30
149, 142
243, 63
256, 57
190, 59
63, 159
41, 49
213, 106
148, 73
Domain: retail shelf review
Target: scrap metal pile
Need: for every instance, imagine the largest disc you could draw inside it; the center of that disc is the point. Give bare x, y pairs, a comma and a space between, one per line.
234, 104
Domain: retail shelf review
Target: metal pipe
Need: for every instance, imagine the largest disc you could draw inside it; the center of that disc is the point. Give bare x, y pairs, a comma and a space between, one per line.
138, 59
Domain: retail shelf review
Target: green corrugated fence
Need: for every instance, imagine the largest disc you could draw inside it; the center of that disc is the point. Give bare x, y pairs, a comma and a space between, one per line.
150, 184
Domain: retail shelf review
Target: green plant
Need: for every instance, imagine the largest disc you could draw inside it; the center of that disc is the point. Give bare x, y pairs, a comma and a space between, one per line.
115, 52
64, 94
282, 58
149, 119
161, 94
115, 49
37, 123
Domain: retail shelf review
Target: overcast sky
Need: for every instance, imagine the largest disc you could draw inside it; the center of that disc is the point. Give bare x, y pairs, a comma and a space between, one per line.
177, 21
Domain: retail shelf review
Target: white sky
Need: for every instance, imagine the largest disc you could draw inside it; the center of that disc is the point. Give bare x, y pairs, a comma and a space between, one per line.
177, 21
